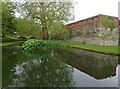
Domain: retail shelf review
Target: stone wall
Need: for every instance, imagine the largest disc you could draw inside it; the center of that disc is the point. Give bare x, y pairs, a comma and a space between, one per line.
93, 32
96, 38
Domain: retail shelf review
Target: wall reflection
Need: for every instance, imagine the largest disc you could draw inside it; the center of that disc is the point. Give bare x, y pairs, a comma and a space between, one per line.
119, 60
99, 66
51, 69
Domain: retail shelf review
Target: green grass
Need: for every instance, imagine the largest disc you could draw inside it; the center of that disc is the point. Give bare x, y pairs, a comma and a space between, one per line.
8, 39
10, 43
115, 50
98, 48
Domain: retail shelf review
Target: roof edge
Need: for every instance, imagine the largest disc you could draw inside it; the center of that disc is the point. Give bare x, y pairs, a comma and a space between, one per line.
92, 17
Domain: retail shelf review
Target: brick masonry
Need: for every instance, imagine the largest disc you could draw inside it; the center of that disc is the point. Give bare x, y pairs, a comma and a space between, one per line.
90, 31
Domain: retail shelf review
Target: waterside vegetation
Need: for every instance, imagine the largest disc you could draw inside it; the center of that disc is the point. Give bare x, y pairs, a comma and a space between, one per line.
31, 45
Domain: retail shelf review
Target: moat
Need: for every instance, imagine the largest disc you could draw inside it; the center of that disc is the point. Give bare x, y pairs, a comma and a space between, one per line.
66, 67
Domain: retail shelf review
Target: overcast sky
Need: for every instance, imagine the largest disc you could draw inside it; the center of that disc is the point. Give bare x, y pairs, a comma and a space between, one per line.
87, 8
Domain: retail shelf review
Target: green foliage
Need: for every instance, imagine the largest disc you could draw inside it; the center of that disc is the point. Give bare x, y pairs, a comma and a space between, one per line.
8, 20
37, 45
28, 28
41, 20
0, 17
51, 16
34, 45
58, 32
108, 22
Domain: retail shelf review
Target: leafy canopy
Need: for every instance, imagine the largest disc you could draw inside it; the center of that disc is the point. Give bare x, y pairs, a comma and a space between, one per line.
51, 16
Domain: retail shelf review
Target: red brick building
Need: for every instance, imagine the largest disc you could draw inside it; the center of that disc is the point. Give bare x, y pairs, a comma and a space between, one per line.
94, 19
88, 30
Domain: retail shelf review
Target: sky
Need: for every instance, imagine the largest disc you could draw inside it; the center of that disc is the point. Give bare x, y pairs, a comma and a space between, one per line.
87, 8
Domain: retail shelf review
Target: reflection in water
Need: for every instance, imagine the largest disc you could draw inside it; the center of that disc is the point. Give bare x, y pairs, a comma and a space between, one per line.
11, 56
119, 60
119, 71
97, 65
45, 71
42, 72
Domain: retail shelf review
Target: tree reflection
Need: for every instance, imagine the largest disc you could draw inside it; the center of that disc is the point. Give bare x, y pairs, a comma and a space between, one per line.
46, 71
11, 56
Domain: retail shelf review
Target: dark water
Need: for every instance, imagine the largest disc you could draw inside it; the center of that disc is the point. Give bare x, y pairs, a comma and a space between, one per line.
58, 68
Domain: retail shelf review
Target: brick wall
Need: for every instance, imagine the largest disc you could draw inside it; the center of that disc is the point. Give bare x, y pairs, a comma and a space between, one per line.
90, 31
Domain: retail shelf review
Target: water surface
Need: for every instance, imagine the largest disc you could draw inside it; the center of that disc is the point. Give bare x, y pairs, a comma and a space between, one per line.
58, 68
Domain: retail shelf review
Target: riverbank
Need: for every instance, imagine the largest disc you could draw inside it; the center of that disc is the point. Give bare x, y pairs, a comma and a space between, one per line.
112, 50
10, 43
8, 40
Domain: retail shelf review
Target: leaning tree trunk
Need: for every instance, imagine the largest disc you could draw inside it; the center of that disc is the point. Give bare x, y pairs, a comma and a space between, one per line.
45, 33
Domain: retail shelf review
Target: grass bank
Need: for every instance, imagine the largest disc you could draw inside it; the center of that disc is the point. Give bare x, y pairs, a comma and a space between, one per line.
114, 50
10, 43
8, 40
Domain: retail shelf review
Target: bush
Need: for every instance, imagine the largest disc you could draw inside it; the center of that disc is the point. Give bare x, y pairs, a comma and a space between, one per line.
37, 45
2, 35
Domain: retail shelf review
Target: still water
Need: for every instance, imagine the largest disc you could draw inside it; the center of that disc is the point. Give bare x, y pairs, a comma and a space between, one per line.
58, 68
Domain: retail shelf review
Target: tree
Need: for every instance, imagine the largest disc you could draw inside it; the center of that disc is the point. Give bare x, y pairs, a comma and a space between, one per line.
28, 28
8, 19
0, 17
58, 32
46, 14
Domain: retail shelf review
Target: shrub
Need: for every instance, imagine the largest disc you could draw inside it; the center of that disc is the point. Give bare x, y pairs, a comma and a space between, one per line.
37, 45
